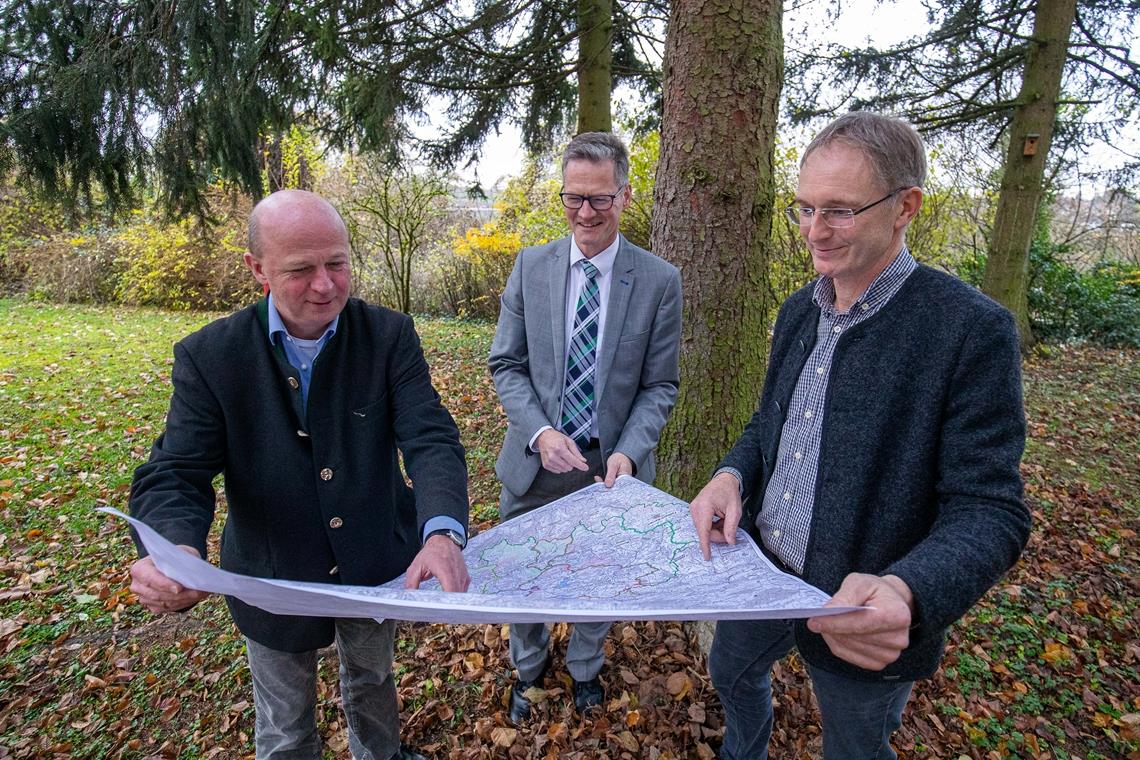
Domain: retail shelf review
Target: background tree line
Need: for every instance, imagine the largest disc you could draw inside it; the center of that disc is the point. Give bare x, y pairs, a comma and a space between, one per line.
423, 245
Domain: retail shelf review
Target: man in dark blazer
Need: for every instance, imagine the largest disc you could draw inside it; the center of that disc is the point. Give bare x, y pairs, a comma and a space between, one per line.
304, 401
881, 464
585, 360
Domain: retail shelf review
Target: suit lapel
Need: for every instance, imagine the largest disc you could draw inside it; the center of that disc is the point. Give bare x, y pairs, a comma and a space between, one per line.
556, 276
621, 289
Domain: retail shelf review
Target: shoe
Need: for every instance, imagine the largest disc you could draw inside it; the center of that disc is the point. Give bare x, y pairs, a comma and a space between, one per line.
519, 712
588, 694
407, 753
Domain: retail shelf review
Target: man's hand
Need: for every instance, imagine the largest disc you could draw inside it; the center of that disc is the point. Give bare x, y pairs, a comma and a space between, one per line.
559, 452
719, 498
874, 638
440, 558
160, 594
617, 465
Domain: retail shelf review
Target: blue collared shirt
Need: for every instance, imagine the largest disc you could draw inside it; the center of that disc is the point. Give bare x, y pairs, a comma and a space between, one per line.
302, 354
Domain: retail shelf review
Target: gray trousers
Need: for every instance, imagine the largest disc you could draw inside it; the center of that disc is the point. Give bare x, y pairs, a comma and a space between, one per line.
585, 654
285, 695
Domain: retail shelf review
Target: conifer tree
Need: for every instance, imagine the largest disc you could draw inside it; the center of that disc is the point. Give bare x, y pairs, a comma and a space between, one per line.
107, 95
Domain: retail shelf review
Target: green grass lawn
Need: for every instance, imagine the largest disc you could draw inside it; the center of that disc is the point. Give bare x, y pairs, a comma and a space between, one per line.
1046, 666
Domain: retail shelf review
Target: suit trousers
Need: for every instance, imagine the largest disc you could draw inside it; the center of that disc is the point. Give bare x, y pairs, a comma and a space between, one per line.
285, 695
529, 643
858, 716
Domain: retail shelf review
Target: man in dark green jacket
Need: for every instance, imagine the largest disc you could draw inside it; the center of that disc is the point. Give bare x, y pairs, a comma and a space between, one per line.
304, 402
881, 464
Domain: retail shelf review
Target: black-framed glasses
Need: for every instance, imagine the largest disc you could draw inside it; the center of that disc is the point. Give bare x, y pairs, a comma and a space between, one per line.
597, 202
833, 217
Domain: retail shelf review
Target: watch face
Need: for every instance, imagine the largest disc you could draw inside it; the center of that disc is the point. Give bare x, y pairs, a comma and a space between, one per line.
455, 536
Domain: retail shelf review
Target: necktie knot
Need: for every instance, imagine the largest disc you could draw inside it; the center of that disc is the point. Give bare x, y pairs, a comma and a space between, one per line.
589, 270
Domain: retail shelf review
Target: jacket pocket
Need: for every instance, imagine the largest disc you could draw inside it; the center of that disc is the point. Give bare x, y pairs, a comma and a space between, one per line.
370, 413
639, 336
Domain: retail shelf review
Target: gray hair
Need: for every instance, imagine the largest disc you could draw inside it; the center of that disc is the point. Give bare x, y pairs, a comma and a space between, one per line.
254, 240
892, 146
597, 147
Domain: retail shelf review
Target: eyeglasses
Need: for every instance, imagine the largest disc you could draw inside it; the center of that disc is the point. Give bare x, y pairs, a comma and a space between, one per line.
833, 217
597, 202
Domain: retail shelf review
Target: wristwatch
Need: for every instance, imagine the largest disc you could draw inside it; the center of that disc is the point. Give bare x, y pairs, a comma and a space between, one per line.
454, 535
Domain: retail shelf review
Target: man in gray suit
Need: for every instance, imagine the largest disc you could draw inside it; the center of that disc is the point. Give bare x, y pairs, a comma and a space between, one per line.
585, 363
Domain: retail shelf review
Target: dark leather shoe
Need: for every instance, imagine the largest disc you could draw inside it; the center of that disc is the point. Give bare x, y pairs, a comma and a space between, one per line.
588, 694
519, 711
407, 753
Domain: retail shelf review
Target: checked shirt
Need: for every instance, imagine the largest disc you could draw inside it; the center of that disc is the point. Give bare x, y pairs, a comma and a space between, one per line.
785, 520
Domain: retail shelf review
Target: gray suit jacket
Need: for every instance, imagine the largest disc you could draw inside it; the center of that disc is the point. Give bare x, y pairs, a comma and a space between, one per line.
637, 369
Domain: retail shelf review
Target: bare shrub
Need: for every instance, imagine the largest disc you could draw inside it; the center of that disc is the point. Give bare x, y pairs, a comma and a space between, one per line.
68, 268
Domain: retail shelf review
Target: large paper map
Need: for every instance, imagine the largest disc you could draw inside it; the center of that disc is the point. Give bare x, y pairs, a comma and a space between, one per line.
624, 553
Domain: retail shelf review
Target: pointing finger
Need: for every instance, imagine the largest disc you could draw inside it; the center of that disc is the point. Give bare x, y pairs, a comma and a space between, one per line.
704, 527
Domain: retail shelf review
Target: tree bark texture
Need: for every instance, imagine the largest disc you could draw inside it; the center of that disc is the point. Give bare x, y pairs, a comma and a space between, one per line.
595, 59
1031, 131
712, 219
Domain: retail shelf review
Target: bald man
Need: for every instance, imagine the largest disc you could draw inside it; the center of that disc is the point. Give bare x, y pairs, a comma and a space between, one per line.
304, 401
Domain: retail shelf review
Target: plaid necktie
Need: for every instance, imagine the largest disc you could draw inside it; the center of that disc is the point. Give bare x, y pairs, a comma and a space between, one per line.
578, 399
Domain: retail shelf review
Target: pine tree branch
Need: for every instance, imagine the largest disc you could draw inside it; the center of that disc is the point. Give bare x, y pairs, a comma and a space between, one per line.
1129, 83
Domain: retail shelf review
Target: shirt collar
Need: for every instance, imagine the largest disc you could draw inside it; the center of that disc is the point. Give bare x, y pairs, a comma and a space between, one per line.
277, 325
604, 261
876, 294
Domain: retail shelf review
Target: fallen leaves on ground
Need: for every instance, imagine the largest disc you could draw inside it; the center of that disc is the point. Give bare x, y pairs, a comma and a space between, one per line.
1044, 667
657, 696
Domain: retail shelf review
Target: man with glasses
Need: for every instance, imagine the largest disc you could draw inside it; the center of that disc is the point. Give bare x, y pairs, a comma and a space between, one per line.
881, 464
585, 360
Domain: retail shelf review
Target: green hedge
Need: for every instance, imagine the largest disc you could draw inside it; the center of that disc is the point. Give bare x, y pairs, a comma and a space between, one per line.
1100, 305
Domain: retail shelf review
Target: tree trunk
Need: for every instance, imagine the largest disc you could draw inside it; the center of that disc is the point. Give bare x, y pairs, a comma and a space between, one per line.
595, 56
712, 218
272, 162
1031, 131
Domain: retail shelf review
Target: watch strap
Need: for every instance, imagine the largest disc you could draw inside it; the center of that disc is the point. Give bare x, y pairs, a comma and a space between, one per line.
456, 537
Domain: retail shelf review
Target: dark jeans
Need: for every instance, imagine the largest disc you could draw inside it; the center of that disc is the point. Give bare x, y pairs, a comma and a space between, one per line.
858, 716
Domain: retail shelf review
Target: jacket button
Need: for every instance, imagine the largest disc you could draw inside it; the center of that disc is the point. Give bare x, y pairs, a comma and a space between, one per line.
294, 383
334, 523
326, 474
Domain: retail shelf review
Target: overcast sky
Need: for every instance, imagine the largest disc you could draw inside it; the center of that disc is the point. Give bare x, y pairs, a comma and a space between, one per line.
862, 22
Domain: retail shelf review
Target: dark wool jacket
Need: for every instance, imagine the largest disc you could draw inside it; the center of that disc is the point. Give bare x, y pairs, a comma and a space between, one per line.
320, 498
918, 469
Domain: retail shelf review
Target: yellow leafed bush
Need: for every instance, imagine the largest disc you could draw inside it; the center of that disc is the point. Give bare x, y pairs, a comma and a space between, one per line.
490, 249
477, 269
177, 265
156, 261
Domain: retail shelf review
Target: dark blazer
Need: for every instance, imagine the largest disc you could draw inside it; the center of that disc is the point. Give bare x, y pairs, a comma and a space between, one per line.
317, 497
918, 467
